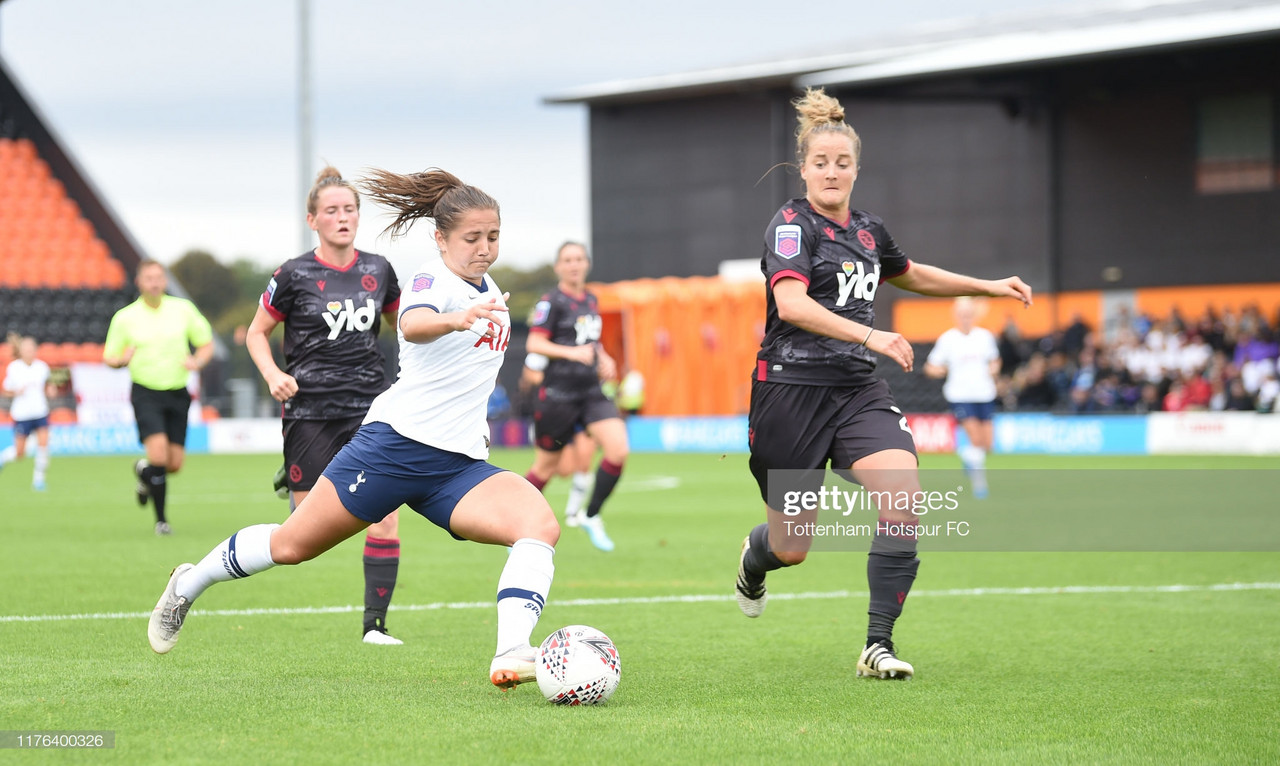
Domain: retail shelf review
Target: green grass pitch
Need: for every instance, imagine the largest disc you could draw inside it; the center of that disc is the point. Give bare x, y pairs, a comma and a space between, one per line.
1104, 674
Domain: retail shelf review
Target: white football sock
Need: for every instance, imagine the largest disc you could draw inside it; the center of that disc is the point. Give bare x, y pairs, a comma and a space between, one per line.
522, 591
974, 457
579, 489
244, 553
42, 464
8, 454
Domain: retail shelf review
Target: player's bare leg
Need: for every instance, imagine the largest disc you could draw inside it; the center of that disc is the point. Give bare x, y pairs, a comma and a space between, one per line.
320, 523
974, 455
611, 435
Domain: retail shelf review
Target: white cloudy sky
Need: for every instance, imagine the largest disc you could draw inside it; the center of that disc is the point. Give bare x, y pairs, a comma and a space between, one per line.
185, 114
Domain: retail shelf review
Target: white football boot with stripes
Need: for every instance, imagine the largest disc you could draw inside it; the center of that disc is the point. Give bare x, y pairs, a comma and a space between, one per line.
879, 661
166, 619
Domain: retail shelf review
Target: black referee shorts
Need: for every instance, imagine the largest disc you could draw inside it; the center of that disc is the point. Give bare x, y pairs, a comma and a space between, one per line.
161, 412
309, 445
557, 414
794, 427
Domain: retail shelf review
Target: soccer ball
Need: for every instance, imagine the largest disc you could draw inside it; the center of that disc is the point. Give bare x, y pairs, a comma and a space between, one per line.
578, 665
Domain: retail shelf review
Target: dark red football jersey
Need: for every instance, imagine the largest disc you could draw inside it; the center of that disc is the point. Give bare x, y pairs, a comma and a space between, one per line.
842, 266
332, 318
568, 320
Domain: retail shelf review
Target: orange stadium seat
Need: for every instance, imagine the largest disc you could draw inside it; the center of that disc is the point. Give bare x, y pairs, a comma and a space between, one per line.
10, 274
96, 250
51, 353
89, 352
40, 169
25, 149
70, 352
62, 416
97, 274
68, 210
81, 227
31, 274
115, 274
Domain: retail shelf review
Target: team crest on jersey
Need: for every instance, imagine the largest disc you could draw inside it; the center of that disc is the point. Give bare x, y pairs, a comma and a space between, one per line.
866, 239
540, 312
369, 282
786, 240
422, 282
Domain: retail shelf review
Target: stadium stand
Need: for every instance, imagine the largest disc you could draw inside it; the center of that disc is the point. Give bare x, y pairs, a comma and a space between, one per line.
65, 262
58, 280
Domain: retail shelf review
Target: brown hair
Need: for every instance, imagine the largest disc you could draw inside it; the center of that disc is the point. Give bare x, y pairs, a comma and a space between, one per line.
432, 193
572, 243
330, 176
147, 262
820, 113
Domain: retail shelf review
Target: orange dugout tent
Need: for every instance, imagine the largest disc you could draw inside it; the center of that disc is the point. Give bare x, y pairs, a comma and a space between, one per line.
693, 339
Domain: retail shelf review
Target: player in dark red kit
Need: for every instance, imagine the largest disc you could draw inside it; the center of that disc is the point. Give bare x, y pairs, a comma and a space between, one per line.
331, 301
565, 328
814, 398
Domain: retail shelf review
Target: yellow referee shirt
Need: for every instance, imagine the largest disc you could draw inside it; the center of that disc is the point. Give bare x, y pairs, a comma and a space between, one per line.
162, 338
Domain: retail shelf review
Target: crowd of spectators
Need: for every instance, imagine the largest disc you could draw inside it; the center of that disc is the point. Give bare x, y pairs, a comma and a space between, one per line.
1221, 360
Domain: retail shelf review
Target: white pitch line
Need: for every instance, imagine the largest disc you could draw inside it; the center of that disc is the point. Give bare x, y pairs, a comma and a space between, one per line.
694, 598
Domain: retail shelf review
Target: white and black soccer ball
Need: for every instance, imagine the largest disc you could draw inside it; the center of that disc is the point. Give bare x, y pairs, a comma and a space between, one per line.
578, 665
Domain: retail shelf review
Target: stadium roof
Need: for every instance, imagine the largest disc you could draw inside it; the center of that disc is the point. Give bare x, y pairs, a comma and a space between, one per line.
1070, 33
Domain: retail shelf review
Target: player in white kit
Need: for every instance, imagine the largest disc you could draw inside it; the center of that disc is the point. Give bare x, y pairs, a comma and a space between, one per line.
968, 358
425, 440
27, 380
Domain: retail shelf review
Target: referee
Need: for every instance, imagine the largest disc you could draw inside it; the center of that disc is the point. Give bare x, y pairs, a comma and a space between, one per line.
161, 339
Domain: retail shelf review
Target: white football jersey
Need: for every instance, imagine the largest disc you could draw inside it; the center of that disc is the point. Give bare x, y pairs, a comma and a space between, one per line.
968, 359
29, 381
442, 393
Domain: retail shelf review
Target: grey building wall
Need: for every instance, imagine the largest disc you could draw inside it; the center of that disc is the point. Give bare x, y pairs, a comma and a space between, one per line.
1053, 173
1128, 173
674, 184
960, 185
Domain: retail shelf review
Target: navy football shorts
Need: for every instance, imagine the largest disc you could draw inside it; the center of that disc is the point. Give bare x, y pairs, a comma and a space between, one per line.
965, 410
28, 427
379, 470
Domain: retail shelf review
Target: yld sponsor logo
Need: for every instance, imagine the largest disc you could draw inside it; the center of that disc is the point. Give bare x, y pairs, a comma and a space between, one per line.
853, 280
349, 317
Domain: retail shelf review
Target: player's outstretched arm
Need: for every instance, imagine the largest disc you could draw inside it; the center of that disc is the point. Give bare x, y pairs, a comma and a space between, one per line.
930, 280
423, 324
